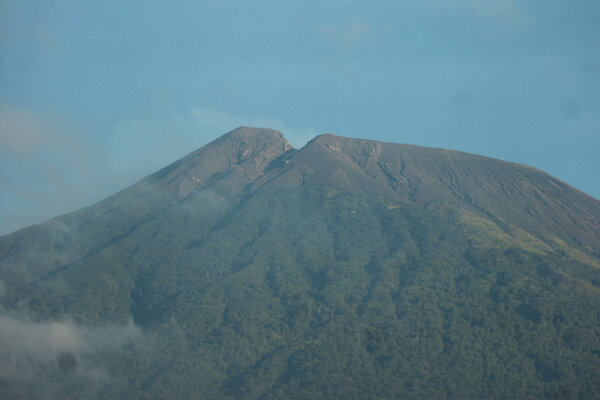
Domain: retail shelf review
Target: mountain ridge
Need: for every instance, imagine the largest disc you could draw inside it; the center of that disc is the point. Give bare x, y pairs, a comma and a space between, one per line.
246, 159
359, 157
348, 268
254, 146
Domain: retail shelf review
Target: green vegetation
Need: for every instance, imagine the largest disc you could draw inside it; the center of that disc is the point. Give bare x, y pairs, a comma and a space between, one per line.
310, 292
349, 269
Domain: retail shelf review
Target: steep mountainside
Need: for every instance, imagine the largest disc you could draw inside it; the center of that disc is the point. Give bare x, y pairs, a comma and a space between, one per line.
346, 269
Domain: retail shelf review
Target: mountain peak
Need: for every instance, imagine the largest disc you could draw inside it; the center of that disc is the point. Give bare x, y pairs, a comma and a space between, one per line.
253, 132
242, 155
424, 176
245, 160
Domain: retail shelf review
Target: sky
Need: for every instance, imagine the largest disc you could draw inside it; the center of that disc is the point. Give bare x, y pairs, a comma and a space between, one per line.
95, 95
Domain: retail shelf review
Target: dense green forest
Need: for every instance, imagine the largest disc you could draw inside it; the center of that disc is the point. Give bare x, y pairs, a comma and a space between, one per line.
323, 294
348, 269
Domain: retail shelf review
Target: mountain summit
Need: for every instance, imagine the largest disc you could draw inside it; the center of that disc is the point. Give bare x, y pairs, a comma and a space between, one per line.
238, 157
346, 269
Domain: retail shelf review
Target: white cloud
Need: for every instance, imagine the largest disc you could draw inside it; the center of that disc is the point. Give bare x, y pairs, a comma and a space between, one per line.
26, 346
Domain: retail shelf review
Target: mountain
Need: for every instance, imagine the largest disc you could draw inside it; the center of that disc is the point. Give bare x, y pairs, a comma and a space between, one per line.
346, 269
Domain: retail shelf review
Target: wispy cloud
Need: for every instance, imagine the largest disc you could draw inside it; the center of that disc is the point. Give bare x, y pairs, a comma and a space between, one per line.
139, 146
219, 121
33, 354
21, 130
345, 37
44, 162
504, 11
342, 40
495, 8
49, 167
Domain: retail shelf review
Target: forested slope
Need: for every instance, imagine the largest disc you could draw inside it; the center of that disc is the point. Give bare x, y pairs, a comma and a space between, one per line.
346, 269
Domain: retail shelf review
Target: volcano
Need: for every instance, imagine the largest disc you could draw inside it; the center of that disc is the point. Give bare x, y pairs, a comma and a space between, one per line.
346, 269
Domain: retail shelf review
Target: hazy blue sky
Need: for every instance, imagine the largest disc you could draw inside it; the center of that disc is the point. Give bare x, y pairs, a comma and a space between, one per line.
97, 94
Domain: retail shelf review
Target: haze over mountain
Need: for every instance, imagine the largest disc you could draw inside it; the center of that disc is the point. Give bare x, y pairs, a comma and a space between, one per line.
346, 269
